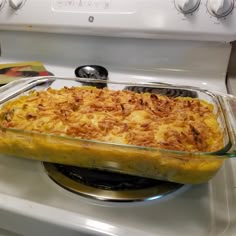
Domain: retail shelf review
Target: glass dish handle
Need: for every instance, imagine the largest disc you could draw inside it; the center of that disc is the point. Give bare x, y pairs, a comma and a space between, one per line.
21, 85
228, 104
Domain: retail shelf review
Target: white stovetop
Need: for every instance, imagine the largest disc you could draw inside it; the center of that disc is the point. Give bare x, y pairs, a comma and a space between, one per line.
31, 204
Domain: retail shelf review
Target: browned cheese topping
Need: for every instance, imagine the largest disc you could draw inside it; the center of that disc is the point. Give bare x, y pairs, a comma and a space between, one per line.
121, 117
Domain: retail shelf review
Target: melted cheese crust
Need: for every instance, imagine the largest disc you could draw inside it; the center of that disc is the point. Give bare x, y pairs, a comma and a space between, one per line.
121, 117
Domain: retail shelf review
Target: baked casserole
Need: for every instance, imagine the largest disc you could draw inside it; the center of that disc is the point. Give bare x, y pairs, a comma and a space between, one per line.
122, 118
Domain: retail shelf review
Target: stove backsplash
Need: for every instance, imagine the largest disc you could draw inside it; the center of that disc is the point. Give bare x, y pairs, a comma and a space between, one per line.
153, 55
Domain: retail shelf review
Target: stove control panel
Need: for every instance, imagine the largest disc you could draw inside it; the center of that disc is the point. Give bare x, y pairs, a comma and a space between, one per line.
98, 6
208, 20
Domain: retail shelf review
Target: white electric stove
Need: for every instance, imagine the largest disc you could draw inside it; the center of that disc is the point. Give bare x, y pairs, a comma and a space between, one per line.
184, 42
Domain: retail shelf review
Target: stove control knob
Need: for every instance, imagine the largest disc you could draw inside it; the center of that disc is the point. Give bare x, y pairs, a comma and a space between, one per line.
16, 4
2, 2
187, 6
220, 8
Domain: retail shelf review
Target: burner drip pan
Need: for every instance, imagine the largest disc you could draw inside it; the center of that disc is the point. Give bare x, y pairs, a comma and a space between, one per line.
108, 186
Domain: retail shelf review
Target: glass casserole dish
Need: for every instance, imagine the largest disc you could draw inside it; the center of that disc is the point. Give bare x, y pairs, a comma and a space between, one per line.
163, 164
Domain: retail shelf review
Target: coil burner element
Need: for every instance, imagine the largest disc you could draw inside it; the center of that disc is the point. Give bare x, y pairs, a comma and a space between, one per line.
108, 186
163, 91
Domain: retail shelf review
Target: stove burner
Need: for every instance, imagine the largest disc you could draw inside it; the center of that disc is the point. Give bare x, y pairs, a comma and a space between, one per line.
93, 72
163, 91
108, 186
106, 180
